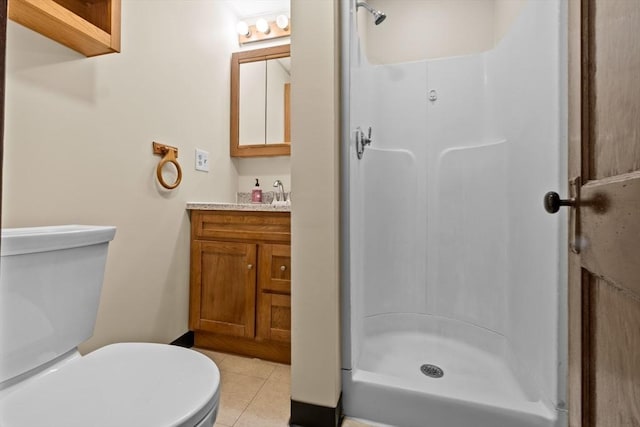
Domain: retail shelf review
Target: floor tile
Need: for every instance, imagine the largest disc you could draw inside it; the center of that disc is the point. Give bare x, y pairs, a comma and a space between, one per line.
246, 366
254, 420
236, 392
350, 422
270, 407
281, 373
253, 392
213, 355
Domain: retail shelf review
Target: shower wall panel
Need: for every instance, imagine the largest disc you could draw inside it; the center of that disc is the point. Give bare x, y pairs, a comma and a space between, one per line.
361, 112
394, 181
399, 99
391, 221
456, 124
471, 235
525, 78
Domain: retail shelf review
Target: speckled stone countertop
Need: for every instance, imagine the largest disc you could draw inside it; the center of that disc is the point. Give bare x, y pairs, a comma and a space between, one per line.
243, 204
210, 206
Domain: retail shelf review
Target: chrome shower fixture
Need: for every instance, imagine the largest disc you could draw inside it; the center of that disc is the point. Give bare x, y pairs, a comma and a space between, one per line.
362, 140
377, 15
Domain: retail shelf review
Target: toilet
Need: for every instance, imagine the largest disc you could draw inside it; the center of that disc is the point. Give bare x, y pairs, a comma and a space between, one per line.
50, 282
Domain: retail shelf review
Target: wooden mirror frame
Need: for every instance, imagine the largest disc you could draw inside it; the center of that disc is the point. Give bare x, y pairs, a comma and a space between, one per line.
254, 150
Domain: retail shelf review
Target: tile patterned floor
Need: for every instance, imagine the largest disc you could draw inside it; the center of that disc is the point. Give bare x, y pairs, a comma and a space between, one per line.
254, 392
349, 422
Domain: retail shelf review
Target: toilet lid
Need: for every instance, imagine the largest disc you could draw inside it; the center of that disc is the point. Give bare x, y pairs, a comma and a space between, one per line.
120, 385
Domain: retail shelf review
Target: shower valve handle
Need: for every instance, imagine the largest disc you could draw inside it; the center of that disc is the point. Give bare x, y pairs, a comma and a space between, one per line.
553, 202
365, 139
362, 141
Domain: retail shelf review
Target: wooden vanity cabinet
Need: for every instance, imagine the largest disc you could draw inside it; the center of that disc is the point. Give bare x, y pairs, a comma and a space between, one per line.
240, 292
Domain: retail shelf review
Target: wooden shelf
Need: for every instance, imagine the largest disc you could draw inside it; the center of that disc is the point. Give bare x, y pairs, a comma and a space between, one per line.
91, 27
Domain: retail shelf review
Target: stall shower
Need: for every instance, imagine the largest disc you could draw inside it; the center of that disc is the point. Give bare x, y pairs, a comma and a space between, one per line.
453, 282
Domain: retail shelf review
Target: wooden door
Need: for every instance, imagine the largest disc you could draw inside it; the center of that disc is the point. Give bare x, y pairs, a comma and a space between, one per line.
223, 288
274, 293
604, 277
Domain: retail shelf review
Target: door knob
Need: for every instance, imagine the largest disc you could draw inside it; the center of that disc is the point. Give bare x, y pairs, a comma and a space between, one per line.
553, 202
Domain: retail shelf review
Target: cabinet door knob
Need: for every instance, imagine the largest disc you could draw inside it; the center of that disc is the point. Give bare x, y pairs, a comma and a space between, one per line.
250, 266
283, 267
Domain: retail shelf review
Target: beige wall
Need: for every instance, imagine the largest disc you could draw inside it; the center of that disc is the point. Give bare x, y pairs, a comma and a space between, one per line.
419, 29
78, 150
315, 368
266, 169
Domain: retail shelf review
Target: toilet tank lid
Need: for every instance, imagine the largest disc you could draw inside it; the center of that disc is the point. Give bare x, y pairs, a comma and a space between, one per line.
17, 241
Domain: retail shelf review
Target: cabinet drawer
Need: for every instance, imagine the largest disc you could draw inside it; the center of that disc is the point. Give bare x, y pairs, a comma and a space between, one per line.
275, 269
274, 317
242, 226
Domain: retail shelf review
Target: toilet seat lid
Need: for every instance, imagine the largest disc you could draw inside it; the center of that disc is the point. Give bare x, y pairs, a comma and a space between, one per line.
130, 384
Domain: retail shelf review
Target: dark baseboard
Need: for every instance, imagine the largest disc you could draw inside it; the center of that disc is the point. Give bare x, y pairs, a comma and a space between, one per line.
309, 415
185, 340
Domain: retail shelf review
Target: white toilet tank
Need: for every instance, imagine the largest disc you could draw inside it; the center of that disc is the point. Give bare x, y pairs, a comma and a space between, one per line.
50, 282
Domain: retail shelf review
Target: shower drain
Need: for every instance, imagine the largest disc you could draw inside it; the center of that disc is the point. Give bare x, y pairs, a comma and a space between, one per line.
432, 371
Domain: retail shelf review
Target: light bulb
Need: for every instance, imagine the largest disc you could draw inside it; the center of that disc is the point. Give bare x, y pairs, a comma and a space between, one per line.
263, 26
282, 21
243, 29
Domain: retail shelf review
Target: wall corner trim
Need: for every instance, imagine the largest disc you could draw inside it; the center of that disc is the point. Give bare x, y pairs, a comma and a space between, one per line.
309, 415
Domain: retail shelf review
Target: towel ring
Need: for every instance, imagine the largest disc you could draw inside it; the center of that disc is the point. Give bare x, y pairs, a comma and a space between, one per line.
170, 156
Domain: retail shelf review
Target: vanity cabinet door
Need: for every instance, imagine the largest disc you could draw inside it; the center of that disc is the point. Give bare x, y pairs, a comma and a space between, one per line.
225, 277
274, 293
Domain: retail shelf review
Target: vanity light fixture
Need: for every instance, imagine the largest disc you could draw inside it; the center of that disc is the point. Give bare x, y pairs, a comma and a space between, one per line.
243, 29
263, 26
282, 21
263, 29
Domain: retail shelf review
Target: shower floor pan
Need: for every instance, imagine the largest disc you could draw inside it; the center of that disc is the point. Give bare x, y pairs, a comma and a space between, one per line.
477, 387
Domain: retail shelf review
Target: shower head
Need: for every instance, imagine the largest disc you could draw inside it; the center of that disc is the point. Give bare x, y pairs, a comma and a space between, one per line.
378, 16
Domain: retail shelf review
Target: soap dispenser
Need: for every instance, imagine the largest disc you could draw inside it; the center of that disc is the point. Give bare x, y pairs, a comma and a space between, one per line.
256, 193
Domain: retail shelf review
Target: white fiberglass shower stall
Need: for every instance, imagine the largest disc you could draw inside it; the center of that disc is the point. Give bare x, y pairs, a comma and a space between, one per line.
453, 278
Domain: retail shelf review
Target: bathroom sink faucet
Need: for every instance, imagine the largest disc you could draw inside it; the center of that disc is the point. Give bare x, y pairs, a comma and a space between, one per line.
280, 195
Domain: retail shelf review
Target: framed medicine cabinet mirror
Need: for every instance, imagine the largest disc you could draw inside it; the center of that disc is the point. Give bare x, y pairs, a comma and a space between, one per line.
260, 102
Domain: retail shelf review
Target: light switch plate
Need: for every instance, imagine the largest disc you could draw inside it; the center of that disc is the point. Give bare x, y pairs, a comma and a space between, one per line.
202, 160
